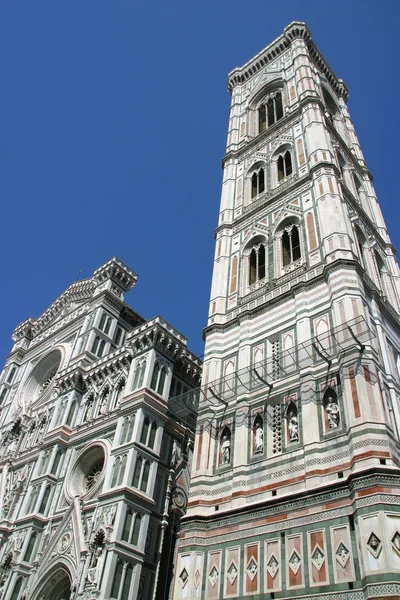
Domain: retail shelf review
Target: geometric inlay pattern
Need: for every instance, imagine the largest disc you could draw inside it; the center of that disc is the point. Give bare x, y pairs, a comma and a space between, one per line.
213, 576
342, 554
252, 568
317, 558
197, 578
232, 573
183, 577
374, 545
295, 562
272, 566
396, 541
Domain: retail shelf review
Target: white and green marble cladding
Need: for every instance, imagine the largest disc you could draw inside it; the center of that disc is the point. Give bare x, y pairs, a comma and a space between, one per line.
295, 478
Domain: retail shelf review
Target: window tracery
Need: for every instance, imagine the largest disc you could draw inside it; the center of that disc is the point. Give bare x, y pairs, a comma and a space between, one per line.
258, 182
284, 165
270, 111
158, 377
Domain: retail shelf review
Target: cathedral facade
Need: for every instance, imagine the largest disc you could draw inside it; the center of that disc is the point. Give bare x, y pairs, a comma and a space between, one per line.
295, 488
97, 427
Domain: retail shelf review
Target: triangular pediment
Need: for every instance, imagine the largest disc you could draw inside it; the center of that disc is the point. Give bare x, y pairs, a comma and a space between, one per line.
268, 77
72, 299
291, 209
253, 231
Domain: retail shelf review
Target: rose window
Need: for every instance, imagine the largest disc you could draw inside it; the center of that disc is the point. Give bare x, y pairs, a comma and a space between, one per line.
87, 474
94, 475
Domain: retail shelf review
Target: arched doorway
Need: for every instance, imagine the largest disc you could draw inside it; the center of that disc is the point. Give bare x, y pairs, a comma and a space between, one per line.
56, 587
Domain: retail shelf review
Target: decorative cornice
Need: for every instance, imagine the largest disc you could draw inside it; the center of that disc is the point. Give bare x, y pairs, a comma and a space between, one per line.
295, 30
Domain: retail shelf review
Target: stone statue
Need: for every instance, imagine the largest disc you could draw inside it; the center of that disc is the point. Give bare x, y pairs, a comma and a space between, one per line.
174, 455
95, 565
293, 425
259, 438
332, 410
226, 450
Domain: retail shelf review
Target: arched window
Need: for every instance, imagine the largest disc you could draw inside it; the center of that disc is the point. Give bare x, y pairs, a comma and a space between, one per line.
225, 447
137, 472
45, 499
122, 467
56, 462
119, 471
145, 429
32, 500
331, 407
17, 589
145, 476
141, 474
98, 346
257, 182
3, 396
139, 375
154, 377
270, 112
361, 244
290, 245
11, 375
152, 434
161, 381
257, 264
29, 554
122, 581
284, 165
158, 378
105, 323
71, 414
127, 429
131, 530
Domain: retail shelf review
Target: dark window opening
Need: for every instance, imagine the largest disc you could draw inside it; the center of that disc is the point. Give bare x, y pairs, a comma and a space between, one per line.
257, 183
257, 264
290, 246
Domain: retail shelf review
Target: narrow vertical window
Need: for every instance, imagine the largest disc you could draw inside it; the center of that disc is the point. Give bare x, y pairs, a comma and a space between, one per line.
154, 377
254, 185
125, 595
161, 381
257, 264
145, 477
257, 183
117, 580
11, 375
145, 429
136, 529
152, 435
290, 245
126, 532
30, 548
262, 118
122, 470
136, 474
45, 499
284, 165
253, 267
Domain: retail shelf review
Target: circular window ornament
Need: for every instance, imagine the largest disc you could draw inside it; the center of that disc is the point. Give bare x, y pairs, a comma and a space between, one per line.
87, 473
41, 379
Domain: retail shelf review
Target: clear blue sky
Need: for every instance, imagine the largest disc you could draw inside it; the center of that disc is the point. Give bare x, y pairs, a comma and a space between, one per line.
113, 125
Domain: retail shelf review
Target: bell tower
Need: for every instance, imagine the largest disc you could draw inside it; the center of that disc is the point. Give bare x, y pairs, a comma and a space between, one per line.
295, 479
